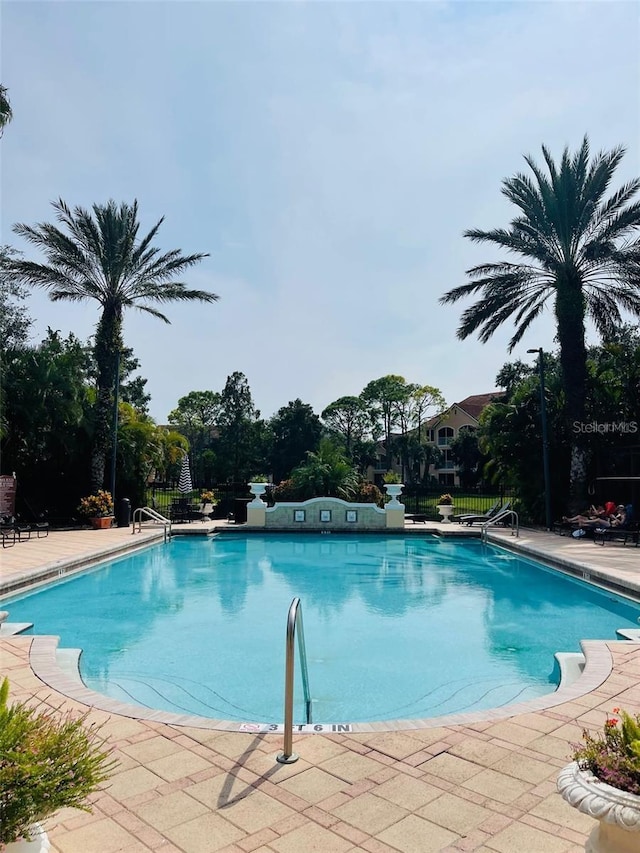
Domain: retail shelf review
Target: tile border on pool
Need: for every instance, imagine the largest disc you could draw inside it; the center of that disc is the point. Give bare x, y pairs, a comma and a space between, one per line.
598, 667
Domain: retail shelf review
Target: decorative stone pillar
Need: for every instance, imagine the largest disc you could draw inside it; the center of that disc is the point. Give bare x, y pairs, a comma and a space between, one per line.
257, 508
394, 509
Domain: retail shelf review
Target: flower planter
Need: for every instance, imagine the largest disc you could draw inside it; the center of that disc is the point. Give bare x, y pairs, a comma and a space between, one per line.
206, 510
257, 490
39, 842
445, 510
102, 523
617, 812
394, 491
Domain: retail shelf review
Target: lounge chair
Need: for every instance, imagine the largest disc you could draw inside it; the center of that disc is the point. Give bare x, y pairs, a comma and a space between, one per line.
629, 530
494, 510
8, 536
20, 529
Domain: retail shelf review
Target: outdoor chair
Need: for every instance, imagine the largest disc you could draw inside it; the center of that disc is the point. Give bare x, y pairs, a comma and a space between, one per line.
21, 531
8, 536
630, 530
492, 512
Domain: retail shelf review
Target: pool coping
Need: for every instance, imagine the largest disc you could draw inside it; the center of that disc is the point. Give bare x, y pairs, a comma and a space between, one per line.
44, 663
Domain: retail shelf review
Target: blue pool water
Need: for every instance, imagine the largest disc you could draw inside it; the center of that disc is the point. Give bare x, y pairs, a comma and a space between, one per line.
396, 627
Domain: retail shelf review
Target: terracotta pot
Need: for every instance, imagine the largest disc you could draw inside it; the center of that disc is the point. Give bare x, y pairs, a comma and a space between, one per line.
102, 522
39, 842
617, 812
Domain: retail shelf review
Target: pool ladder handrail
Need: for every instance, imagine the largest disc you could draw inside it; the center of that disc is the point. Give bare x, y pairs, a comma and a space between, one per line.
152, 515
294, 620
501, 516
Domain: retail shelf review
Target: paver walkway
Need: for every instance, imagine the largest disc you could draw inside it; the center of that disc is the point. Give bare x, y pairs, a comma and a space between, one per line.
489, 786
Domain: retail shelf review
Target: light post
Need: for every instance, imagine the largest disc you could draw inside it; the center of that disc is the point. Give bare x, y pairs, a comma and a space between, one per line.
545, 440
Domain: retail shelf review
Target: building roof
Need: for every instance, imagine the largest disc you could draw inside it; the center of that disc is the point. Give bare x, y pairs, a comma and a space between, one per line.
472, 406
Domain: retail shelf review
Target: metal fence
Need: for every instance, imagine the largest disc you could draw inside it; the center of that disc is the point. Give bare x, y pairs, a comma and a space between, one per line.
418, 499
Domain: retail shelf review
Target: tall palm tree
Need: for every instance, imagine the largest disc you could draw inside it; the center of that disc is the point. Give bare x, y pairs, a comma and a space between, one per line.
6, 113
100, 257
577, 251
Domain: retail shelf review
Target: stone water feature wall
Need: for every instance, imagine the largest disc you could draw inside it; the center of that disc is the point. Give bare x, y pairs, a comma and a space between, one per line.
325, 514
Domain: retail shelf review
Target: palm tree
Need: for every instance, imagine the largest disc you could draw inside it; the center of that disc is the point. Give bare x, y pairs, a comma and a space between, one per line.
100, 257
577, 250
6, 113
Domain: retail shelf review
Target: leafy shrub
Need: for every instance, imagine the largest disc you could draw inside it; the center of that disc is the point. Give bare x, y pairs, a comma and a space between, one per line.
286, 491
445, 500
368, 493
391, 477
613, 756
99, 505
47, 762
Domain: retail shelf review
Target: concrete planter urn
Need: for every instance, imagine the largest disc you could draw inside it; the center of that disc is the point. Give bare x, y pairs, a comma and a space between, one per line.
445, 510
39, 842
617, 811
257, 490
394, 490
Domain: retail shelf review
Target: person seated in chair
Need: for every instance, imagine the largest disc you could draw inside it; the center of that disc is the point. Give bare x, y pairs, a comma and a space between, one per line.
619, 519
594, 513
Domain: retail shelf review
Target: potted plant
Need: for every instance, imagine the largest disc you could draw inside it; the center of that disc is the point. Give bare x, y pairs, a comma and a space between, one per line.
207, 501
47, 762
98, 509
603, 781
393, 486
445, 507
257, 487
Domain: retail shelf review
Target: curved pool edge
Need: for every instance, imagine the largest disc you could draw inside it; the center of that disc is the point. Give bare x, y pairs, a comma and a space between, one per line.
43, 662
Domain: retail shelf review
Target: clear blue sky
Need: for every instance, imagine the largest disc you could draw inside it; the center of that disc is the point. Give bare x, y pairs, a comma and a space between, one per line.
328, 156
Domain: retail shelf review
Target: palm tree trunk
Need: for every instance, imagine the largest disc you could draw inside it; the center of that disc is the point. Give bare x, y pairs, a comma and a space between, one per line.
573, 360
108, 343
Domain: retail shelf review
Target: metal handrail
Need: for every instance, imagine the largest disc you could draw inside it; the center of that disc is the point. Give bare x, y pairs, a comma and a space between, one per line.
294, 618
501, 517
153, 515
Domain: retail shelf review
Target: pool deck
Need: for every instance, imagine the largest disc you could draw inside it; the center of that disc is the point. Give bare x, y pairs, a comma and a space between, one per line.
446, 786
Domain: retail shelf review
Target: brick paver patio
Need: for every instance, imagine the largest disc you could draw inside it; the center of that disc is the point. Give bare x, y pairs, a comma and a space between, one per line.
487, 786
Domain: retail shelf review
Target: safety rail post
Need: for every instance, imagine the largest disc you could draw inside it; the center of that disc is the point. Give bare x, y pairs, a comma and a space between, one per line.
294, 618
152, 515
501, 517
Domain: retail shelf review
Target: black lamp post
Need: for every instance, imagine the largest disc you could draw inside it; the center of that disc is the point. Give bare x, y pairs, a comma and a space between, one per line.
545, 440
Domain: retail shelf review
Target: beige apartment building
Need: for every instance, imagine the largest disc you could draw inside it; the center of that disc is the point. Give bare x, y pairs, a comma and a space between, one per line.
440, 431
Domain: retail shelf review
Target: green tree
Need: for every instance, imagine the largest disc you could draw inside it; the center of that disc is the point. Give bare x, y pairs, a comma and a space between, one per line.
294, 430
99, 256
348, 418
467, 456
45, 400
385, 398
6, 113
326, 472
140, 452
196, 416
578, 250
15, 322
241, 442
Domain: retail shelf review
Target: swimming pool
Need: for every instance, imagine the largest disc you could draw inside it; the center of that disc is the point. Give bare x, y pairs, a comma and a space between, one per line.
396, 627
